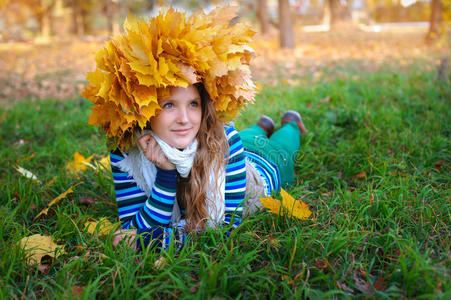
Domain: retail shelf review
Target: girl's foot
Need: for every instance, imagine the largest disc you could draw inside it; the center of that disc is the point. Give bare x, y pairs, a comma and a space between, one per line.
267, 124
291, 116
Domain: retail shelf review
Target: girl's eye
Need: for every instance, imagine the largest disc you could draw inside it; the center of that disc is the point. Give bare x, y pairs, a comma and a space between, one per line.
194, 104
168, 105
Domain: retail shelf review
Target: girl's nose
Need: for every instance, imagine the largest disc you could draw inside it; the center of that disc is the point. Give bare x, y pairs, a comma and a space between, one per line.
182, 115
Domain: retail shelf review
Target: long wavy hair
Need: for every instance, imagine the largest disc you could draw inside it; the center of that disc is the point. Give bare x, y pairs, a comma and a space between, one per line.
210, 159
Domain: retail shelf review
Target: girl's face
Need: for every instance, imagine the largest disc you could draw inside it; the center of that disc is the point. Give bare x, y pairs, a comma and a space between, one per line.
179, 120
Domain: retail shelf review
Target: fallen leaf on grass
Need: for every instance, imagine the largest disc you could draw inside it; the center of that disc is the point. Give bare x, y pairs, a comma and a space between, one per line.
344, 287
25, 158
79, 164
160, 263
297, 208
325, 100
379, 284
77, 291
363, 286
440, 163
38, 246
27, 174
20, 143
321, 264
360, 175
44, 268
103, 226
104, 163
87, 200
57, 199
52, 181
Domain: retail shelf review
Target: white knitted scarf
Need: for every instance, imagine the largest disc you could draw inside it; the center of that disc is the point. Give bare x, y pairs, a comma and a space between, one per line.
144, 172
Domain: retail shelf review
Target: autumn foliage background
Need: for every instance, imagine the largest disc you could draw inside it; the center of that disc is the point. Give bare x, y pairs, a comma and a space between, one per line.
373, 169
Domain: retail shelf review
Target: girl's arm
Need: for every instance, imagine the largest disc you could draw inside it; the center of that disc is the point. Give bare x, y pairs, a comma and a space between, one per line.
149, 215
235, 186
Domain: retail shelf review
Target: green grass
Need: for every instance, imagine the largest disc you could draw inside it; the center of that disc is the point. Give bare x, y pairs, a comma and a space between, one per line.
385, 235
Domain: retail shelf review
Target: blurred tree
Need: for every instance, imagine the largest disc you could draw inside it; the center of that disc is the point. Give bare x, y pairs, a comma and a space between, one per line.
336, 12
81, 9
111, 10
435, 21
285, 25
42, 10
262, 14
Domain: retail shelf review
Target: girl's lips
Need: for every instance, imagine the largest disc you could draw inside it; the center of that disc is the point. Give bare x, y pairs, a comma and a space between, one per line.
182, 131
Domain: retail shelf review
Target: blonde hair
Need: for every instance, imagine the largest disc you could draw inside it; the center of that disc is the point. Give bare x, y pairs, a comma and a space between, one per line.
210, 159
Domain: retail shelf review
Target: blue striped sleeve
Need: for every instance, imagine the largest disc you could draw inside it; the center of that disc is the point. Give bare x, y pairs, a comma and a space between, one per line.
235, 186
150, 215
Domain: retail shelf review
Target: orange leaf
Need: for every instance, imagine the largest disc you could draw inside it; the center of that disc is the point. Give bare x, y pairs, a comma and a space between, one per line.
79, 164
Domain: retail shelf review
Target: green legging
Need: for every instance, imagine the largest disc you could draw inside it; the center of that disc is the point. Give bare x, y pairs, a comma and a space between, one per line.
281, 148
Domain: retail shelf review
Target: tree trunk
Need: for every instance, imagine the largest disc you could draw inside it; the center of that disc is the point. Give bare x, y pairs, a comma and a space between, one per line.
285, 25
335, 13
435, 21
111, 9
262, 13
327, 13
46, 27
77, 19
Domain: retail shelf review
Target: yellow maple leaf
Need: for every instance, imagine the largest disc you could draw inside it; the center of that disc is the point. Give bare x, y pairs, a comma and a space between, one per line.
104, 163
38, 246
103, 226
297, 208
79, 164
57, 199
294, 208
272, 204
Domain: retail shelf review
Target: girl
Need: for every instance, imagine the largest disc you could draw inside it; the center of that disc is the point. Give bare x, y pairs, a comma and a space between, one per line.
161, 92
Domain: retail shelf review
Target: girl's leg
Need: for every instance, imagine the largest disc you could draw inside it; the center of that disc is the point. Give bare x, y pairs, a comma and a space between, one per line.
288, 137
254, 137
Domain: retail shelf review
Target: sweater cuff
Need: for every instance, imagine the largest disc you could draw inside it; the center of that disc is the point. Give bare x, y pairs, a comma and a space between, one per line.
167, 178
149, 235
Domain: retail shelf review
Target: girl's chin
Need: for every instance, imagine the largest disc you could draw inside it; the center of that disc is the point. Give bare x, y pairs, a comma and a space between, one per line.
181, 144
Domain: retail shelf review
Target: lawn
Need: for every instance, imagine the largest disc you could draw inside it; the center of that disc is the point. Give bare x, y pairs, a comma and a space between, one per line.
374, 170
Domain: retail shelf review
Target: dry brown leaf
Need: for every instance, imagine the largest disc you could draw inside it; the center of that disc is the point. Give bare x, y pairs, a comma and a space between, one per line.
380, 284
440, 163
79, 164
103, 226
44, 268
295, 208
38, 246
360, 175
57, 199
362, 285
77, 291
87, 200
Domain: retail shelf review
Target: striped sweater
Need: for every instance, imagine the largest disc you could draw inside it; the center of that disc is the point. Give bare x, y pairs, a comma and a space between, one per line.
151, 215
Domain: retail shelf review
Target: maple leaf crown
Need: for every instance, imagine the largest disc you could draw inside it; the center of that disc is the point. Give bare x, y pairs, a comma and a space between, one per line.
139, 66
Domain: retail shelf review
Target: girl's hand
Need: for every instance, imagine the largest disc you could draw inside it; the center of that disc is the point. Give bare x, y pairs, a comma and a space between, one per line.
129, 235
154, 153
